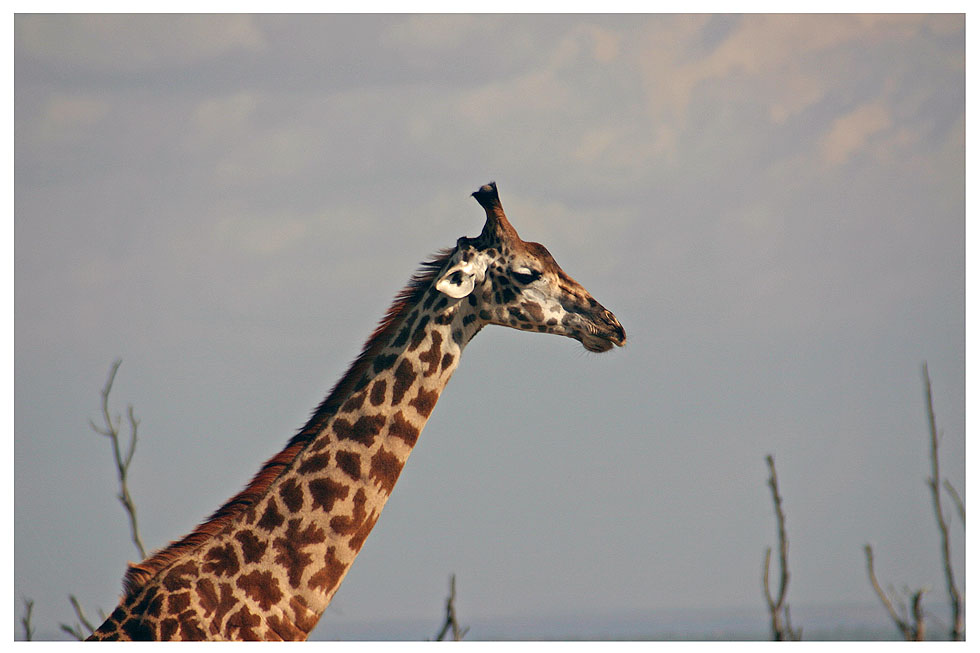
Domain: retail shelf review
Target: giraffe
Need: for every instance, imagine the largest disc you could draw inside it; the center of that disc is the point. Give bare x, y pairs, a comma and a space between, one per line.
266, 564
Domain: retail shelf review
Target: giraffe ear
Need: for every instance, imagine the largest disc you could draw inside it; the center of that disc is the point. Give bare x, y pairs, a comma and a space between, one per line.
459, 279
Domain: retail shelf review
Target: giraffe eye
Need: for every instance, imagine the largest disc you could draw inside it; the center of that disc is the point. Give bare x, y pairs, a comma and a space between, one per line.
526, 275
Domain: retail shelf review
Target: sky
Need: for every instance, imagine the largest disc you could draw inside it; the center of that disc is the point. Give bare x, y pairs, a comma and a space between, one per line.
773, 207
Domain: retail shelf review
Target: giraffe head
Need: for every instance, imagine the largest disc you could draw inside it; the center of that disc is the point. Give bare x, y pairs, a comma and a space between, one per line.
518, 284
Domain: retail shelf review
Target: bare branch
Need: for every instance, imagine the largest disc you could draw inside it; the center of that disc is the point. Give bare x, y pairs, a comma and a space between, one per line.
111, 430
76, 630
25, 621
80, 614
123, 461
911, 631
957, 500
915, 610
956, 625
795, 635
765, 582
451, 622
778, 611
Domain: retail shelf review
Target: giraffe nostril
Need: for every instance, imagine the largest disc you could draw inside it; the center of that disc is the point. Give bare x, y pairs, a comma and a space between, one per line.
618, 332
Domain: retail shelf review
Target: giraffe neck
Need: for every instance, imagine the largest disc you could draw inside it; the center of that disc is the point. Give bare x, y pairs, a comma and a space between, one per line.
267, 566
318, 514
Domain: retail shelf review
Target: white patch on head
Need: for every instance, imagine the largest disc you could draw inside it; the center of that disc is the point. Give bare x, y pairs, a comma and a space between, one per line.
460, 278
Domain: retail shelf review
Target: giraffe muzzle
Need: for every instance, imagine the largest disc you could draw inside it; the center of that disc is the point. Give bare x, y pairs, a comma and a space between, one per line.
603, 332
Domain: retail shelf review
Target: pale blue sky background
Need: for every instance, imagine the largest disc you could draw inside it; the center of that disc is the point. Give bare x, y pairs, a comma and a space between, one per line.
772, 206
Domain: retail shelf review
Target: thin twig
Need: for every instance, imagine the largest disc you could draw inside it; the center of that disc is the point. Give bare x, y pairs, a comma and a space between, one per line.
778, 611
80, 614
451, 622
957, 500
122, 461
76, 630
25, 621
915, 610
911, 631
956, 625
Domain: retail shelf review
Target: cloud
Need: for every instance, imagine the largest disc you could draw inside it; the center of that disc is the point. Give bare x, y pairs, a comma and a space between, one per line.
536, 92
129, 43
853, 131
436, 32
222, 127
775, 59
595, 142
244, 144
67, 116
598, 43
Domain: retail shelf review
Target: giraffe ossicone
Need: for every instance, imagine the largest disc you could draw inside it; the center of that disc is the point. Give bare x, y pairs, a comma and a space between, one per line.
266, 564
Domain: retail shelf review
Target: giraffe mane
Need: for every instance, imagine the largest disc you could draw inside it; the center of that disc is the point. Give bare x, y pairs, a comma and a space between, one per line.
138, 574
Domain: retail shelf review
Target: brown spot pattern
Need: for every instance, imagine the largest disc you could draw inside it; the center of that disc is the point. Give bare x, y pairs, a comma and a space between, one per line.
320, 443
432, 356
447, 360
292, 495
400, 340
384, 361
178, 578
283, 628
168, 628
244, 622
137, 630
534, 310
179, 602
344, 525
314, 463
304, 618
354, 403
221, 561
252, 547
357, 541
271, 519
425, 401
350, 463
262, 587
218, 601
117, 615
385, 468
325, 492
404, 378
363, 430
419, 335
401, 428
378, 392
151, 604
328, 577
290, 548
190, 629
